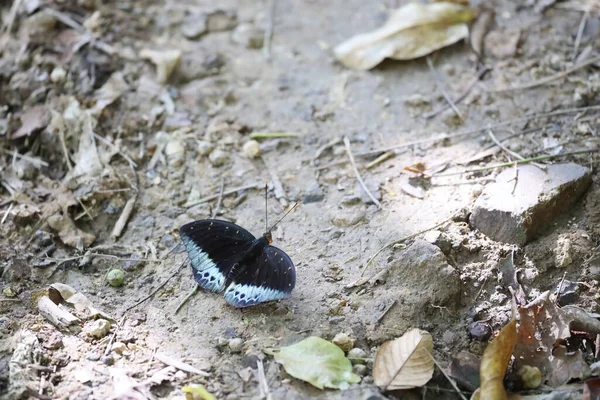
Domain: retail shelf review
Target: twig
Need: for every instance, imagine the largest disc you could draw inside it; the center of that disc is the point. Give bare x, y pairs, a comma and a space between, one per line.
225, 193
115, 148
477, 130
157, 289
550, 78
482, 71
442, 88
14, 10
99, 255
380, 159
326, 146
114, 335
358, 177
187, 297
7, 213
268, 38
384, 313
524, 161
219, 199
584, 19
277, 186
272, 135
123, 218
56, 117
262, 381
560, 286
509, 151
394, 242
458, 391
33, 160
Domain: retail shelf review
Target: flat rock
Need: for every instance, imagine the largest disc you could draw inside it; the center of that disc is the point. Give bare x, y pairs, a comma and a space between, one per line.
512, 214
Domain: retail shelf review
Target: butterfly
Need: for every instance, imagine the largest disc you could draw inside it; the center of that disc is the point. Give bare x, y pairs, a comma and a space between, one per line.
227, 258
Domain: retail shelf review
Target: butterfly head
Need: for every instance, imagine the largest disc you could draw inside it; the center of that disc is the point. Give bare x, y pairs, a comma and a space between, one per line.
268, 236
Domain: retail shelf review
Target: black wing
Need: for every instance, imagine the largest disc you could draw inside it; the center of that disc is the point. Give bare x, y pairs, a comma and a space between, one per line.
270, 277
213, 247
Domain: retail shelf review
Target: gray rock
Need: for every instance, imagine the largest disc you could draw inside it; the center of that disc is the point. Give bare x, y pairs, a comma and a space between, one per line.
248, 36
236, 345
480, 330
194, 26
373, 188
357, 356
569, 293
516, 216
218, 157
347, 218
314, 194
204, 148
221, 20
359, 369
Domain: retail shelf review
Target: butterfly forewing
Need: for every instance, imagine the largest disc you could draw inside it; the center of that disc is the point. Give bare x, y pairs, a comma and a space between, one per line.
213, 247
271, 276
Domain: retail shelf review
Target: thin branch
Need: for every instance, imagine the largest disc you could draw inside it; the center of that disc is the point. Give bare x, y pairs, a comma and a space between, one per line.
550, 78
219, 199
509, 151
268, 38
482, 71
524, 161
358, 177
580, 30
187, 297
225, 193
157, 289
442, 88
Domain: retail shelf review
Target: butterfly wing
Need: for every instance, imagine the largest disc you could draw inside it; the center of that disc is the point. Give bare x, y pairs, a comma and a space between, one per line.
270, 277
213, 247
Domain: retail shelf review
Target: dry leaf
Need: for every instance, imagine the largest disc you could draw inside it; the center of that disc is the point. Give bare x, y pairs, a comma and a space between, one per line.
405, 362
412, 31
481, 27
464, 369
165, 60
542, 326
114, 87
413, 191
32, 120
581, 320
494, 364
66, 293
567, 366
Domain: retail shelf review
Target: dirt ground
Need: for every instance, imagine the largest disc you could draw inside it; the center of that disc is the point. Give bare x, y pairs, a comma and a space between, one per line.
152, 143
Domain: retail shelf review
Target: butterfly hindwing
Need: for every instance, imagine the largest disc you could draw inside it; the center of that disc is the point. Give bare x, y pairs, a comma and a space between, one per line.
213, 247
271, 276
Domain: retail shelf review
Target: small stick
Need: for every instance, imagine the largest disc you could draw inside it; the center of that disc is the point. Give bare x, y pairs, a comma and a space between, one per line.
115, 148
277, 186
272, 135
477, 130
524, 161
123, 218
114, 335
509, 151
6, 213
326, 146
34, 160
268, 38
188, 297
14, 10
560, 286
440, 84
358, 177
157, 289
404, 239
482, 71
550, 78
447, 377
262, 381
584, 19
225, 193
380, 159
384, 313
219, 199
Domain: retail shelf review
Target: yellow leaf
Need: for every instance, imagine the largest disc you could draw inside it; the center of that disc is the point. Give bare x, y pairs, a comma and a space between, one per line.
405, 362
197, 392
412, 31
495, 362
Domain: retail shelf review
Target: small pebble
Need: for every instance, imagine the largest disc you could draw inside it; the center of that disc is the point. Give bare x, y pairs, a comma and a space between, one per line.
357, 356
194, 26
359, 369
222, 342
344, 341
235, 345
248, 36
250, 360
118, 347
480, 331
314, 194
218, 157
108, 360
221, 20
347, 218
97, 328
58, 75
115, 277
92, 356
336, 320
204, 148
252, 149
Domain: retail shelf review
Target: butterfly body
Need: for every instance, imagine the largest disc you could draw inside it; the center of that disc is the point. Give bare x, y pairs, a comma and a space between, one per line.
227, 258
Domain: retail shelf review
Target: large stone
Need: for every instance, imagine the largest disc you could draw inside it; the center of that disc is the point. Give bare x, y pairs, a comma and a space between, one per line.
514, 214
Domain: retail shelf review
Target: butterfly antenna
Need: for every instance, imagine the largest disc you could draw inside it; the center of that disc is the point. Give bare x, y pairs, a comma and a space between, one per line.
285, 215
266, 210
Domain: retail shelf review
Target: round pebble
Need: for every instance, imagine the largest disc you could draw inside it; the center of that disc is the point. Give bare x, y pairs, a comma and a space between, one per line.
235, 345
115, 277
480, 331
343, 341
108, 360
252, 149
359, 369
357, 356
218, 157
